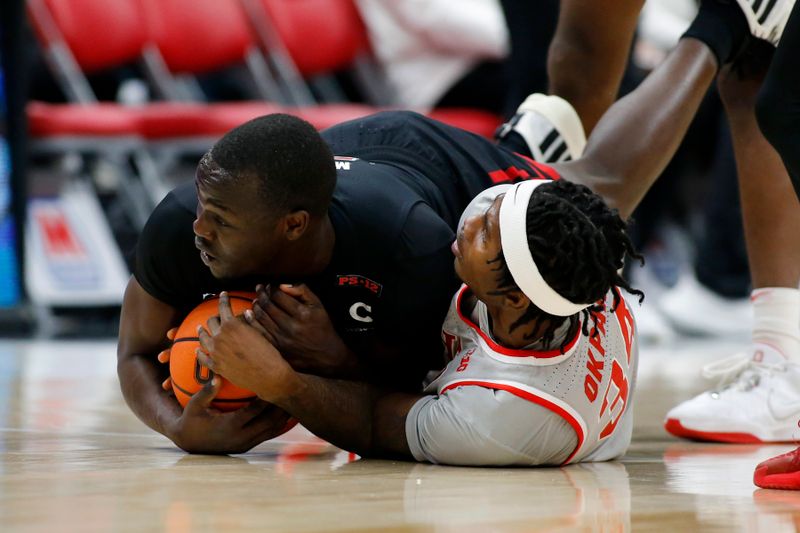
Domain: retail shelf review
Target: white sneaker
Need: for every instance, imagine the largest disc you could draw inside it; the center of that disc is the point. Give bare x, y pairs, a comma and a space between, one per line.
651, 326
767, 18
694, 309
758, 401
550, 126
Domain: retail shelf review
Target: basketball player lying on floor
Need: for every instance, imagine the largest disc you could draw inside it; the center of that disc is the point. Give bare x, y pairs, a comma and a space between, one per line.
540, 372
406, 161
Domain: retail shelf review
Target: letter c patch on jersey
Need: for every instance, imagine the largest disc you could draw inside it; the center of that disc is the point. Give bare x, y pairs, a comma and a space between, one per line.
360, 311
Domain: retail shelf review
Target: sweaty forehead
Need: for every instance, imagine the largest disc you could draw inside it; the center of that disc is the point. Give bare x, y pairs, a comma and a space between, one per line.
214, 196
229, 195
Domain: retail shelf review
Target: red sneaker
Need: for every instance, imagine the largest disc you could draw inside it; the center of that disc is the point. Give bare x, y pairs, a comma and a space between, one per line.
781, 472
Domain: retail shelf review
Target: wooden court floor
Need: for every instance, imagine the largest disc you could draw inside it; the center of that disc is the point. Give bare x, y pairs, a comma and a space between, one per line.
73, 458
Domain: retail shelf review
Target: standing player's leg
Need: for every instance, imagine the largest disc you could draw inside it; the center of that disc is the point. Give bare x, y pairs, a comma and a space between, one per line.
760, 399
778, 110
589, 52
778, 105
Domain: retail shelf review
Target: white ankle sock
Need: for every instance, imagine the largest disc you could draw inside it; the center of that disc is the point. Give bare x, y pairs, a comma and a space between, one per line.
776, 313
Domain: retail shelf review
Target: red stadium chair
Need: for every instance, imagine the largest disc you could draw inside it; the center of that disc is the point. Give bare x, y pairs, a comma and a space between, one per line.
85, 36
174, 51
85, 126
177, 53
317, 37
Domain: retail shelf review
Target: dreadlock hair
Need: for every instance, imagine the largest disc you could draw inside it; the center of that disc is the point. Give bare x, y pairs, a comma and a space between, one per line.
578, 244
291, 163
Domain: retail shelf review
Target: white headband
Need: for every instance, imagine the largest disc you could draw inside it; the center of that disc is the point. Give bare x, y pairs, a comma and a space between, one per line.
514, 239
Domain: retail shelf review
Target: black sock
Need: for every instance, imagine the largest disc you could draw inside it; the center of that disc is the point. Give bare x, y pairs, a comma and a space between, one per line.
722, 26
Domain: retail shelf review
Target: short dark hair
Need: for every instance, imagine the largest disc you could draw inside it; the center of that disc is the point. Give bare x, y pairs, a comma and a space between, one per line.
293, 165
579, 245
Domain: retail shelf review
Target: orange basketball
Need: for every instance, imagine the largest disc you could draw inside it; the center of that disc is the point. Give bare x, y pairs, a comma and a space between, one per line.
188, 376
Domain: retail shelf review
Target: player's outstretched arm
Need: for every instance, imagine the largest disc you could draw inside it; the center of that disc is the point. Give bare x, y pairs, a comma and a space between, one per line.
640, 133
198, 428
587, 58
355, 416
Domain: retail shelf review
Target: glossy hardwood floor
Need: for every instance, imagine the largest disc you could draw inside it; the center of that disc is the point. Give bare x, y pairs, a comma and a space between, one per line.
73, 458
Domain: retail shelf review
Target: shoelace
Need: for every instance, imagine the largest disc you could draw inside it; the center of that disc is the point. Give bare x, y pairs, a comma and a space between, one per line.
739, 370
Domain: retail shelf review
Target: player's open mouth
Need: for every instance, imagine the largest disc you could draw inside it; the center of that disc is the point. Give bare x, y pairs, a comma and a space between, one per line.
207, 259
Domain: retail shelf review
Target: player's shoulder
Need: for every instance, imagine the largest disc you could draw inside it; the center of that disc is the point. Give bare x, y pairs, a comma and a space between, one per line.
179, 205
165, 252
169, 227
373, 196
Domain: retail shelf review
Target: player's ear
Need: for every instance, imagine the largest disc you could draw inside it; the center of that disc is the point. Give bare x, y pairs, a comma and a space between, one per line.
516, 300
296, 224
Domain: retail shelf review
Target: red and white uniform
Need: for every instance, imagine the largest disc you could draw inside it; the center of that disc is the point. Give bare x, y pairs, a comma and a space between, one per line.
498, 406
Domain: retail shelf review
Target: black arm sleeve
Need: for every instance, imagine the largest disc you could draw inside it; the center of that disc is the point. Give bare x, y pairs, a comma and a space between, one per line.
778, 104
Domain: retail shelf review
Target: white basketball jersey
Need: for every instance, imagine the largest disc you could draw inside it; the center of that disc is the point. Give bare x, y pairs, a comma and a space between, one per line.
589, 385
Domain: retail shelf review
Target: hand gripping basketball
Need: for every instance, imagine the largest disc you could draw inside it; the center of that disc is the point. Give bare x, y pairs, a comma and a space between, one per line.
208, 390
188, 375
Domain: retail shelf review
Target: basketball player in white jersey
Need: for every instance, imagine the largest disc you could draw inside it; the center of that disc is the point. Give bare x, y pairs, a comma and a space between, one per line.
534, 378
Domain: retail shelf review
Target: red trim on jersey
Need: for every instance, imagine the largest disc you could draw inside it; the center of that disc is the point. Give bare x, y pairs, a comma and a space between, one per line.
675, 427
540, 168
509, 174
510, 351
625, 321
538, 400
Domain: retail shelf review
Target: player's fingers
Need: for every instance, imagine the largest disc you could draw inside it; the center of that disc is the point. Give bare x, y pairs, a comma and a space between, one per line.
213, 324
288, 302
267, 323
279, 317
263, 294
301, 292
205, 360
171, 333
267, 431
225, 311
250, 318
167, 384
202, 399
278, 417
206, 340
252, 410
269, 423
163, 357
